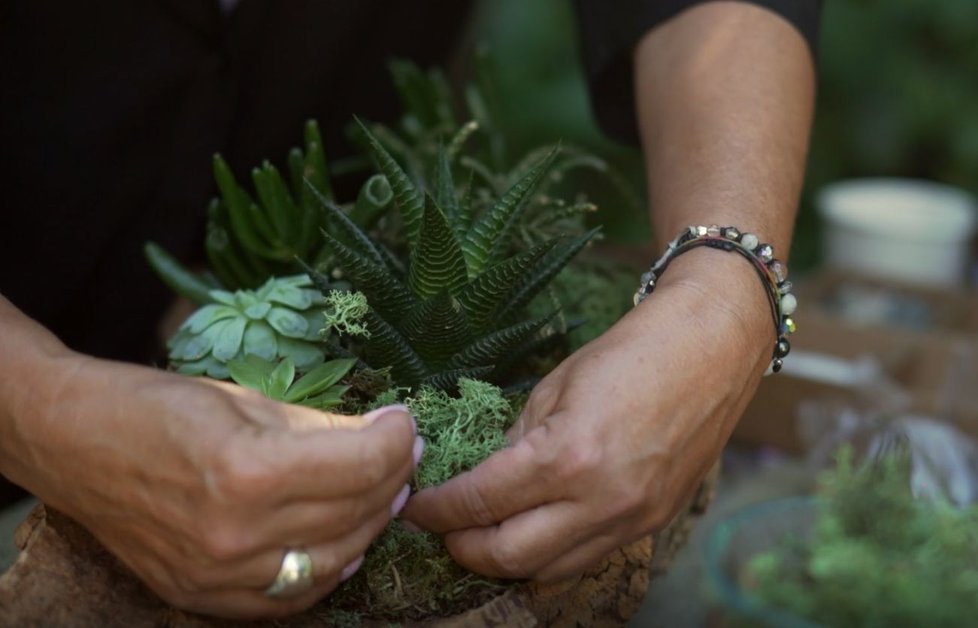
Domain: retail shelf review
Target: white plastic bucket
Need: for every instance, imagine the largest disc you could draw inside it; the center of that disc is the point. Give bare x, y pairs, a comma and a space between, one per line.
904, 229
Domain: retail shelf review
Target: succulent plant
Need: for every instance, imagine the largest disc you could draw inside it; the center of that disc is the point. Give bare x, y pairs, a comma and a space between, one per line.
282, 319
318, 388
458, 310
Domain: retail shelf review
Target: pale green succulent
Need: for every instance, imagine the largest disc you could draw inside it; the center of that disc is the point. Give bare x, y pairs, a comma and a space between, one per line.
283, 318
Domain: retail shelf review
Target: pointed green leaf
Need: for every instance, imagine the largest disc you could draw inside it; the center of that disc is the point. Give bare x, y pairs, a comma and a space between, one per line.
483, 296
296, 161
242, 212
347, 232
175, 275
459, 139
328, 399
463, 220
250, 372
385, 293
387, 347
488, 350
543, 272
409, 199
488, 238
279, 380
277, 202
316, 171
437, 329
445, 195
319, 379
437, 263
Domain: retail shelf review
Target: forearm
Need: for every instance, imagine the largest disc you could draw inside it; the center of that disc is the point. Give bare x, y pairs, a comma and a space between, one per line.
31, 359
725, 95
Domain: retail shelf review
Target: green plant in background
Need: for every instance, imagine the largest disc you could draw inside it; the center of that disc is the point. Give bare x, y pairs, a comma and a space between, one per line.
276, 380
458, 310
878, 556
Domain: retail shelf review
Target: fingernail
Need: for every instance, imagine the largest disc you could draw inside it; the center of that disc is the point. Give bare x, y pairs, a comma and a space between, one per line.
373, 415
400, 500
409, 527
351, 569
418, 450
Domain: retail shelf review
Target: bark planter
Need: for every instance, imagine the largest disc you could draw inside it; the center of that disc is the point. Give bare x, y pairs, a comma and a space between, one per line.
64, 577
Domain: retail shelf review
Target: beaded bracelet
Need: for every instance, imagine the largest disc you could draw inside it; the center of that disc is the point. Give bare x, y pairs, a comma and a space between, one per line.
773, 274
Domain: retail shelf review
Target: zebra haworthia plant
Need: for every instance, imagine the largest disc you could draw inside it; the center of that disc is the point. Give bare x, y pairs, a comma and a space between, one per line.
459, 308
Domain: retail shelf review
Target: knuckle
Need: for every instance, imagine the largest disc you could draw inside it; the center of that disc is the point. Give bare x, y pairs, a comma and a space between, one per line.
372, 465
223, 542
508, 561
578, 461
477, 507
240, 476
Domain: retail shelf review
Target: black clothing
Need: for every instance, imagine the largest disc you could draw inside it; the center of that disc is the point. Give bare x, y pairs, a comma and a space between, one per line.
611, 29
110, 111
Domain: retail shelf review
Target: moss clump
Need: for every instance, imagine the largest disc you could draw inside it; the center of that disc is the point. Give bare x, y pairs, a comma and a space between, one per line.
878, 556
410, 575
345, 313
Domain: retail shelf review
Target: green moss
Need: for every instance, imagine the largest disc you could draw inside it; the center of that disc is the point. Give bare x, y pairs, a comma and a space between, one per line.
411, 575
344, 313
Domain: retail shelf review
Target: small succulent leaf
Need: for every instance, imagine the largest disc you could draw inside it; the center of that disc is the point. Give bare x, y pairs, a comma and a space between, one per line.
328, 399
207, 316
445, 195
463, 219
488, 350
287, 322
448, 380
257, 311
408, 198
305, 355
276, 201
296, 161
279, 380
250, 372
225, 297
228, 341
176, 276
387, 347
319, 379
316, 171
545, 269
488, 238
483, 295
385, 293
425, 96
260, 340
208, 366
347, 231
186, 346
437, 263
291, 296
437, 329
321, 282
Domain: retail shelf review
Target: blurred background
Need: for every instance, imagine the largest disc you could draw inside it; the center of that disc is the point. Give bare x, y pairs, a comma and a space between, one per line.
886, 358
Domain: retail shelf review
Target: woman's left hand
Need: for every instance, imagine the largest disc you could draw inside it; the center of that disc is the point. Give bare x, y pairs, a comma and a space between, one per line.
612, 443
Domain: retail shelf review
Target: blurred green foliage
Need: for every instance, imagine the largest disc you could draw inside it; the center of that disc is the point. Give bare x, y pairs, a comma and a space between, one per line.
898, 95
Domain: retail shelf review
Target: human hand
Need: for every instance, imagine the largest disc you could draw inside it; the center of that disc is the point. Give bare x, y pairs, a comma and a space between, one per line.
200, 487
613, 442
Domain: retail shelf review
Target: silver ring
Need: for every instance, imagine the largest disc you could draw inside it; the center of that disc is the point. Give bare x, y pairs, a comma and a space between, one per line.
294, 576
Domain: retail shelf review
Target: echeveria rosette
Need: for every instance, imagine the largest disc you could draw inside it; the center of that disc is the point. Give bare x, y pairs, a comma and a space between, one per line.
281, 319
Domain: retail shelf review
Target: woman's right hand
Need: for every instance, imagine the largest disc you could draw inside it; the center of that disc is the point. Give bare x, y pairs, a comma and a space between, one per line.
200, 487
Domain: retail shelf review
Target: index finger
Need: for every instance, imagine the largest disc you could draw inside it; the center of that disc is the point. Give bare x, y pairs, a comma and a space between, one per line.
316, 464
509, 482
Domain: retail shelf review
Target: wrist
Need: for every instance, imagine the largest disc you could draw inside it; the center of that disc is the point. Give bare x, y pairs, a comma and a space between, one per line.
726, 294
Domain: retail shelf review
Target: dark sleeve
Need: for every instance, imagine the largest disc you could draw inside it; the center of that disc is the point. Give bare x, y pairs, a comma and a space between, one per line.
610, 30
